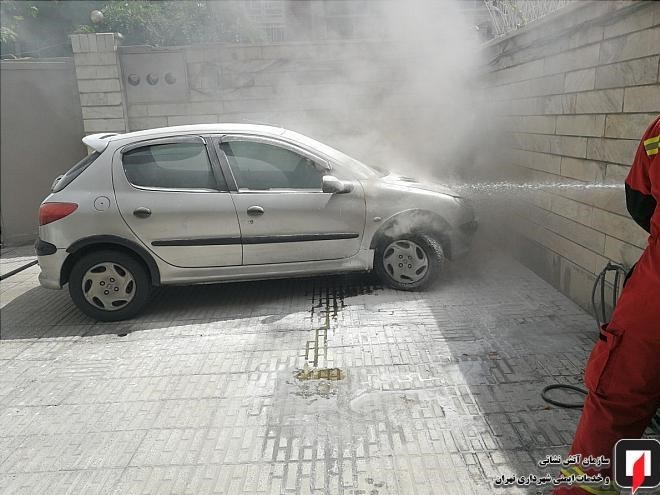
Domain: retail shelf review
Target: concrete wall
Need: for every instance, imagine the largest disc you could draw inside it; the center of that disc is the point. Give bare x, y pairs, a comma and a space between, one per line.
290, 84
577, 90
41, 131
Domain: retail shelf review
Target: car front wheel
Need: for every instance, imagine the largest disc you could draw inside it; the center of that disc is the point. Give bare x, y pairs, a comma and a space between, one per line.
410, 262
109, 285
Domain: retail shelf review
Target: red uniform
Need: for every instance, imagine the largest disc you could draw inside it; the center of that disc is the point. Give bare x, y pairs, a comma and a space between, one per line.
623, 374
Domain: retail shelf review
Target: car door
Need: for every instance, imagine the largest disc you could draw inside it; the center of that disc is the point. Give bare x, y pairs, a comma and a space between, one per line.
173, 196
283, 213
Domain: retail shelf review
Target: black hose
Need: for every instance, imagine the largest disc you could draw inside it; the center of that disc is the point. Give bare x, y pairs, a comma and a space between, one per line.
19, 269
600, 280
619, 273
562, 386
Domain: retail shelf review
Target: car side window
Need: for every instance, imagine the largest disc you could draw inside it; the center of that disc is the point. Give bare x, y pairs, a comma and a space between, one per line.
170, 166
262, 166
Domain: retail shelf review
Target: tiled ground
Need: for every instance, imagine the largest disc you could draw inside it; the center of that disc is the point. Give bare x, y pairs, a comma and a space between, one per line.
13, 258
199, 395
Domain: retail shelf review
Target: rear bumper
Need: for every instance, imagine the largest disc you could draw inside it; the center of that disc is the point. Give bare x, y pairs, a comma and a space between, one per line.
50, 264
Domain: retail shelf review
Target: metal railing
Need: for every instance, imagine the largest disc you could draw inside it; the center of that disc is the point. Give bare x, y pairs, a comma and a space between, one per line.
509, 15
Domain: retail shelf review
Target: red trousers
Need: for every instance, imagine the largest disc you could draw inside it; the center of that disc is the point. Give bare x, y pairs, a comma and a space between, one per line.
623, 370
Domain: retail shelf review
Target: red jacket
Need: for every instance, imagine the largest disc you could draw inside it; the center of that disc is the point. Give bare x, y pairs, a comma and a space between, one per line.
643, 182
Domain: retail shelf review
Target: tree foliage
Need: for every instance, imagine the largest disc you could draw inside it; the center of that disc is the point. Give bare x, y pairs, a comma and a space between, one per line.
41, 28
12, 14
177, 22
160, 23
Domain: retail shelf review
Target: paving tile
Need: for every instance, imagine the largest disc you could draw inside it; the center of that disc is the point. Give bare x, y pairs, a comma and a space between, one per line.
439, 390
14, 258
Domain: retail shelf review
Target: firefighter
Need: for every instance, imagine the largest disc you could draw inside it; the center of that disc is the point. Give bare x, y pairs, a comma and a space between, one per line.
622, 374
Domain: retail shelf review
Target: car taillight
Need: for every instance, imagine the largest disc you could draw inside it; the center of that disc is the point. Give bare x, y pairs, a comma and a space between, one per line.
49, 212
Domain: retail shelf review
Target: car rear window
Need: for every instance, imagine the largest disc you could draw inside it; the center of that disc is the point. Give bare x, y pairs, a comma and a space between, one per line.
75, 171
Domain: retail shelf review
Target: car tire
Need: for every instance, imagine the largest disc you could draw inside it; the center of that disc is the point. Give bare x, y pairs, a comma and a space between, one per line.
109, 285
393, 257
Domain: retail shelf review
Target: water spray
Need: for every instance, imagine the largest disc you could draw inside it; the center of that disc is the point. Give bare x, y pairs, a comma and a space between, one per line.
492, 188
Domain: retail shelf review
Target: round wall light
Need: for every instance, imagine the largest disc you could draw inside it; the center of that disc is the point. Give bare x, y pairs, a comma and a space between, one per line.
170, 78
96, 16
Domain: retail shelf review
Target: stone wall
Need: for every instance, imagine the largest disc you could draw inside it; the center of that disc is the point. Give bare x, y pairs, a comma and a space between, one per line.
294, 84
99, 82
576, 91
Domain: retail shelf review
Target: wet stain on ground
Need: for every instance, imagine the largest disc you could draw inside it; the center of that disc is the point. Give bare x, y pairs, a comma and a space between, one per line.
328, 300
316, 389
320, 374
376, 484
318, 346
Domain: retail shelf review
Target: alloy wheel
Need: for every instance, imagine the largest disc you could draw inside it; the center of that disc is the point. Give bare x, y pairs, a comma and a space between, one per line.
405, 261
108, 286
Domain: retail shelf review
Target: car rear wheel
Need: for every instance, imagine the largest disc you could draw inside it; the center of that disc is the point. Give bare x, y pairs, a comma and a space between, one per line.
410, 262
109, 285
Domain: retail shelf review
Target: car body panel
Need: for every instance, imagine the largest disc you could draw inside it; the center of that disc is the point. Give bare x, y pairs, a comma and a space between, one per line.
51, 267
93, 186
389, 198
362, 261
186, 228
300, 226
296, 224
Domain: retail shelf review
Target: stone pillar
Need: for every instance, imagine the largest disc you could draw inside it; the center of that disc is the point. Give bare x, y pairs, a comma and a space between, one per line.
99, 82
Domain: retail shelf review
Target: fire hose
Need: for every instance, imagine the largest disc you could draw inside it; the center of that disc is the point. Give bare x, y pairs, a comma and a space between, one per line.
620, 277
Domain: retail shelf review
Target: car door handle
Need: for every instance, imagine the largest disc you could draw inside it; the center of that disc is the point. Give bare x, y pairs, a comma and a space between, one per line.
142, 212
255, 211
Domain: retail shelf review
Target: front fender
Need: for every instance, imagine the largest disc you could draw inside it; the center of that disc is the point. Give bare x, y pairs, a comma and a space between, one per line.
413, 221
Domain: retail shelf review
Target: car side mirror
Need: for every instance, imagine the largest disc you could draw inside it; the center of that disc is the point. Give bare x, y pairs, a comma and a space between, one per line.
333, 185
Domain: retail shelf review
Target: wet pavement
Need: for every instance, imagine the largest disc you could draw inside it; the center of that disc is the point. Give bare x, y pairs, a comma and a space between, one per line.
327, 385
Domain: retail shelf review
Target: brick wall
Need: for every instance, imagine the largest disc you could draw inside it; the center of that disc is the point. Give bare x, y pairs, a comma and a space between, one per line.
99, 82
576, 91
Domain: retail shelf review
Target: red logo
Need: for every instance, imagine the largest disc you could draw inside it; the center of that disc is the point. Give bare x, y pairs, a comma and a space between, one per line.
636, 464
638, 467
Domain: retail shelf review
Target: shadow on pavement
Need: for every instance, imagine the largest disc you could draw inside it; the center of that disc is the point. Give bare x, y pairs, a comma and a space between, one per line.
43, 313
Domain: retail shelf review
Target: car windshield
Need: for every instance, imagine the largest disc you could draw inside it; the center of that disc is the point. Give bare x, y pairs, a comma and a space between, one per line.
360, 169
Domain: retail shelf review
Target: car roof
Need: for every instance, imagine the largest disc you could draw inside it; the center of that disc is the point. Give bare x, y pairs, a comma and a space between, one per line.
100, 141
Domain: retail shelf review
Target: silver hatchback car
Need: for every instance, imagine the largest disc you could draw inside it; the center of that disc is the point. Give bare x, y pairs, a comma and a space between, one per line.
226, 202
